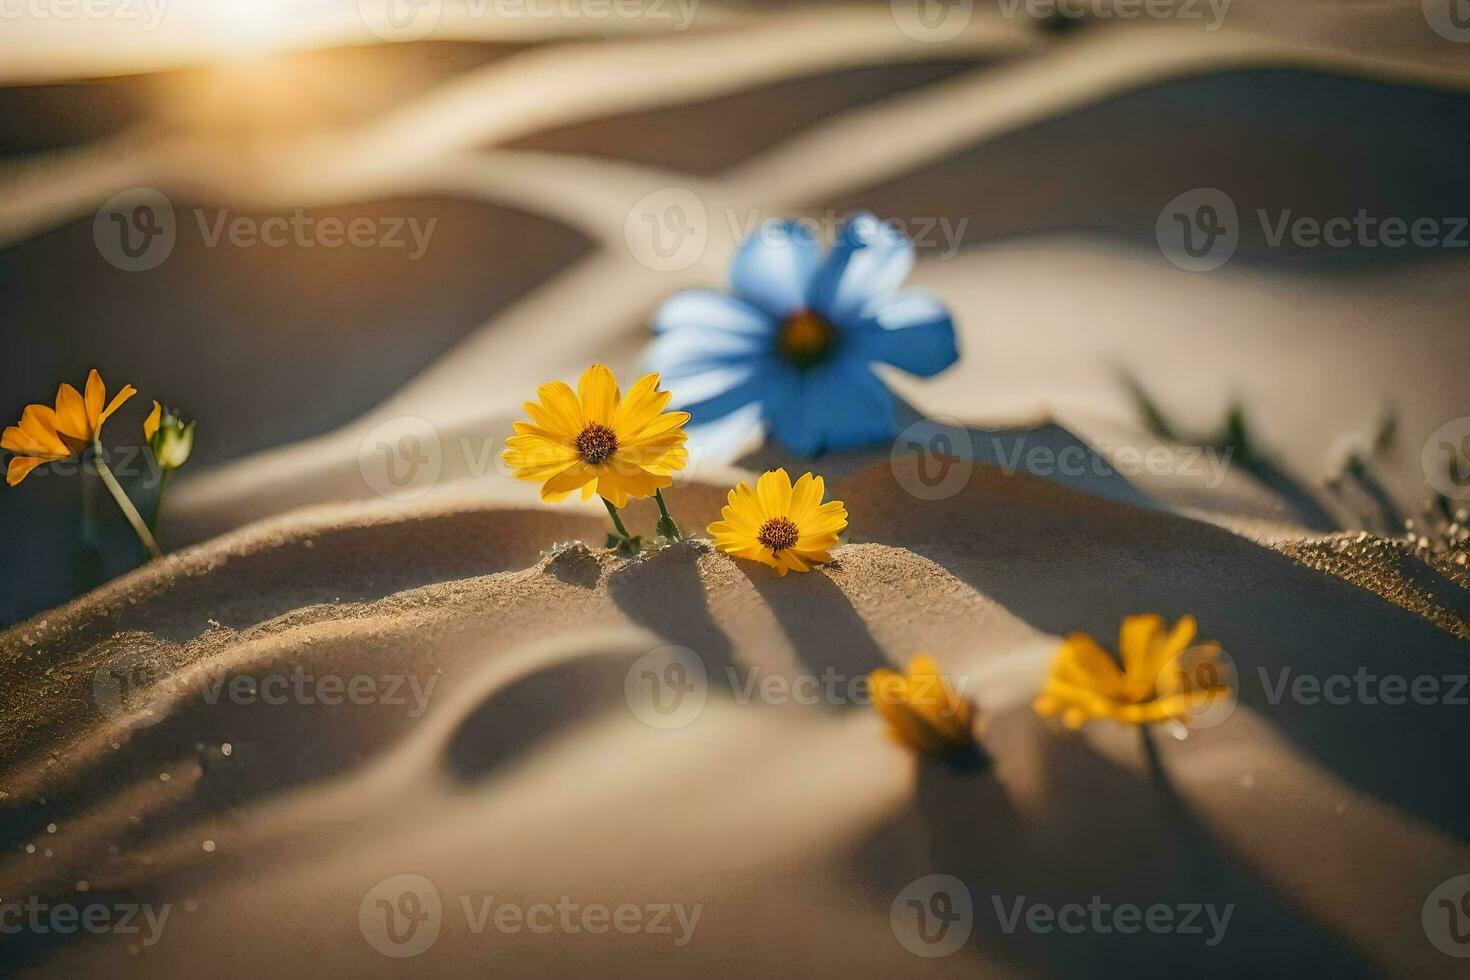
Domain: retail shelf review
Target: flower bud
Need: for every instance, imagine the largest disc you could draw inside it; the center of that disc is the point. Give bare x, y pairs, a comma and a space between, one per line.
168, 437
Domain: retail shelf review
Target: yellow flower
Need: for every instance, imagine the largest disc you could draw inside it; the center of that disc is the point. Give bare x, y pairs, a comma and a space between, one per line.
1085, 683
786, 527
47, 434
597, 441
923, 711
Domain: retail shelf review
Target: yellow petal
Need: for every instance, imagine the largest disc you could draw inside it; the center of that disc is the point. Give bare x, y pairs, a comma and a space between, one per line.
774, 491
71, 414
617, 484
598, 393
668, 427
806, 497
558, 409
128, 391
793, 561
573, 478
20, 467
640, 407
1082, 662
1135, 640
36, 435
150, 424
95, 397
1168, 648
747, 506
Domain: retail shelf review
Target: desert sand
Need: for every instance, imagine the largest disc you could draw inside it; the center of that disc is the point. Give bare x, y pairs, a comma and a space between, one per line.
512, 765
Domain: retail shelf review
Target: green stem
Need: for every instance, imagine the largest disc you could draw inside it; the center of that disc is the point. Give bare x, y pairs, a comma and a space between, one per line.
617, 521
140, 528
158, 500
666, 525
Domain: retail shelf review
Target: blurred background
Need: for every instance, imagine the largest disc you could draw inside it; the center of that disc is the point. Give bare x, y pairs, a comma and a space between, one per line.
498, 160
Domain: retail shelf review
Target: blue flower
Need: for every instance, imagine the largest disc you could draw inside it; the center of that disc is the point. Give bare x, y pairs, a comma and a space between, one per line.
793, 343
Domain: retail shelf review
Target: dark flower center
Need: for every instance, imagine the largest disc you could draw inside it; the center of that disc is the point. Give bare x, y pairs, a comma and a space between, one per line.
777, 533
596, 443
806, 338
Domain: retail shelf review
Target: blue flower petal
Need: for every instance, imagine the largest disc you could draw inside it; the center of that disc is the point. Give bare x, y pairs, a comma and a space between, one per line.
870, 261
725, 438
718, 393
775, 265
910, 330
708, 309
688, 351
832, 407
700, 330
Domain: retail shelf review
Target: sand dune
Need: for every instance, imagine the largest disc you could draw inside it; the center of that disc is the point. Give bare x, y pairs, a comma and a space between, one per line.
527, 743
